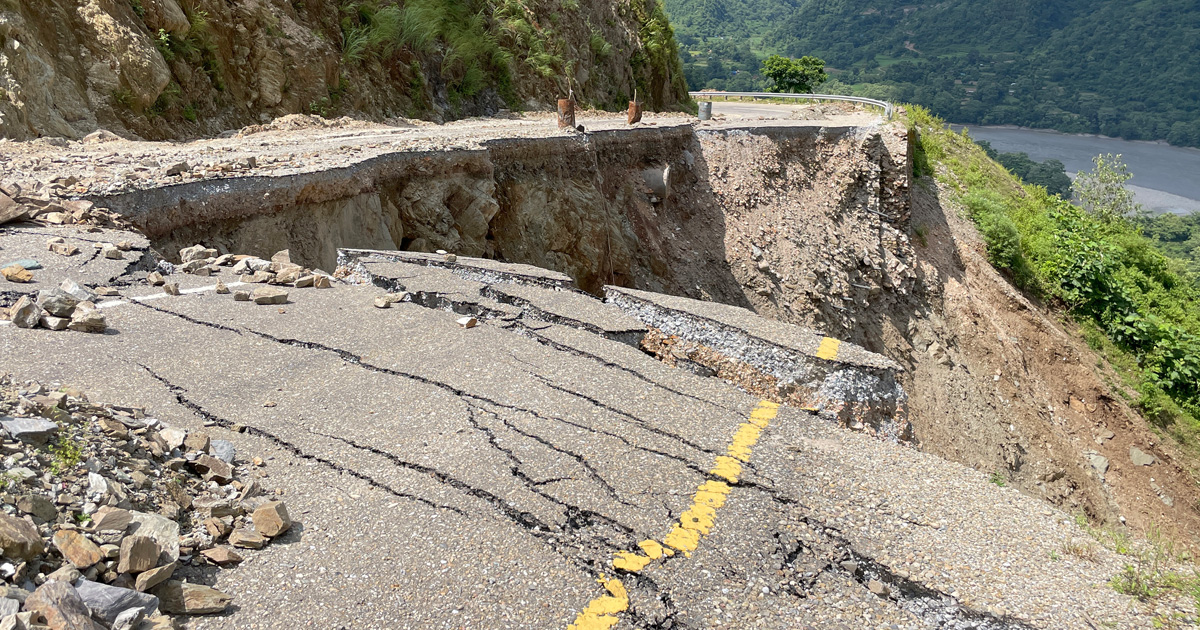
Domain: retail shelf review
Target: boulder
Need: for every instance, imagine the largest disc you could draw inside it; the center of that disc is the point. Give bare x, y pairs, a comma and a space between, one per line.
163, 530
182, 598
39, 506
109, 602
271, 519
57, 302
138, 553
77, 549
62, 607
36, 431
269, 295
19, 539
149, 579
25, 313
90, 321
77, 291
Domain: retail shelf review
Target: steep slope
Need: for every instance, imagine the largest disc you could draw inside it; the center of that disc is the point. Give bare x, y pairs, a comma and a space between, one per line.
168, 69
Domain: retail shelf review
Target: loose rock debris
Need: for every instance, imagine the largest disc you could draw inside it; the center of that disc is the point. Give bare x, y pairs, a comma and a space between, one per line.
105, 513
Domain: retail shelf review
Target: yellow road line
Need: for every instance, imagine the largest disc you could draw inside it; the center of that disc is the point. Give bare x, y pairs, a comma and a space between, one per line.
698, 520
828, 349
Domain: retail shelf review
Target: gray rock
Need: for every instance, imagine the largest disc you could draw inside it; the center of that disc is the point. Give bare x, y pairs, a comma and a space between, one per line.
1141, 458
110, 602
75, 290
163, 530
223, 450
57, 302
1100, 463
38, 506
34, 431
97, 486
9, 607
62, 606
129, 619
49, 322
25, 313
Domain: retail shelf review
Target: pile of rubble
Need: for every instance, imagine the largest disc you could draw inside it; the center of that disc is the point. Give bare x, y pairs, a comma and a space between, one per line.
105, 514
68, 306
280, 270
48, 204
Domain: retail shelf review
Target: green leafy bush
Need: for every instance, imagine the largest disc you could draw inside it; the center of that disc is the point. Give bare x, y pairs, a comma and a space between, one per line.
1095, 262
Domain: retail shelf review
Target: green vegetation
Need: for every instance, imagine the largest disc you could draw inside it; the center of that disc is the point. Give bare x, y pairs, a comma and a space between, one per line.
1142, 308
1177, 236
66, 451
796, 76
471, 56
1124, 69
998, 479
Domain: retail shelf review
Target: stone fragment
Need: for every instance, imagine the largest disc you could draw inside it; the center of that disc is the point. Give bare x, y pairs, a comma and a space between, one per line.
129, 620
223, 450
217, 528
16, 273
153, 577
10, 210
221, 288
138, 553
62, 607
63, 249
183, 598
197, 441
163, 530
171, 288
77, 549
241, 296
155, 278
196, 252
90, 321
49, 322
77, 291
34, 431
1100, 463
38, 506
283, 256
467, 322
269, 295
109, 602
321, 282
258, 277
111, 252
19, 539
178, 169
222, 556
67, 573
304, 282
173, 437
111, 519
213, 469
8, 607
247, 539
57, 302
1141, 458
879, 588
271, 519
25, 313
191, 267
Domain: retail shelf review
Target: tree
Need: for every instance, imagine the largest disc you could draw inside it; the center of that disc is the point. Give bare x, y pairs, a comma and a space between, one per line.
1102, 190
794, 75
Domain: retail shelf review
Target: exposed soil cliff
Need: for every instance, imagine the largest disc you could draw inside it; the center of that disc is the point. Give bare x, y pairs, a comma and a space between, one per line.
186, 68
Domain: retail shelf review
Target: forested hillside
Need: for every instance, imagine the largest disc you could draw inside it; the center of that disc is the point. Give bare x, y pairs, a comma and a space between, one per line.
1110, 67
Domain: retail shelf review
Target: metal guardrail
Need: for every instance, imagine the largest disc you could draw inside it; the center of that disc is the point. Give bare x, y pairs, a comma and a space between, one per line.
888, 109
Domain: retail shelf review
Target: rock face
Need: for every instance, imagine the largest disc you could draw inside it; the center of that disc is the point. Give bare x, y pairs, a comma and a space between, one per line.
74, 67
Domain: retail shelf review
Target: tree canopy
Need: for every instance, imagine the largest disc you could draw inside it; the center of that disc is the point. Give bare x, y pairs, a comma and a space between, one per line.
794, 75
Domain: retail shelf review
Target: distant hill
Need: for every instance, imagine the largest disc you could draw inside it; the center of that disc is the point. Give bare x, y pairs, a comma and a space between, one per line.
1119, 68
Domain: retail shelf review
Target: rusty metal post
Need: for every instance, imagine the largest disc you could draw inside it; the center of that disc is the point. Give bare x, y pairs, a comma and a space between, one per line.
566, 113
634, 114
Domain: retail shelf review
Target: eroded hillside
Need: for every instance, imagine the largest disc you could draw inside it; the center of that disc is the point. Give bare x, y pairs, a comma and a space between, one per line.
164, 69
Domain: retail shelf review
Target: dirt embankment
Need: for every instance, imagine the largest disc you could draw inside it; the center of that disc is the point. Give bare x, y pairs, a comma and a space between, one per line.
166, 69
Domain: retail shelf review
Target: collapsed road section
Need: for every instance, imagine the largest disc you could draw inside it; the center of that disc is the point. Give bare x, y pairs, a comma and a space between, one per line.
490, 473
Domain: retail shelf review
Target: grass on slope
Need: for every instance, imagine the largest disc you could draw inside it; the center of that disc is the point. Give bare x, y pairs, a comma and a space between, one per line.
1136, 306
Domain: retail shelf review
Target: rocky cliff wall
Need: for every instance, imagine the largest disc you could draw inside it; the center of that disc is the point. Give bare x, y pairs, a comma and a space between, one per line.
163, 69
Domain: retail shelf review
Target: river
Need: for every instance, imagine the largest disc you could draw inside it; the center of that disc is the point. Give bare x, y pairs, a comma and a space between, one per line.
1165, 178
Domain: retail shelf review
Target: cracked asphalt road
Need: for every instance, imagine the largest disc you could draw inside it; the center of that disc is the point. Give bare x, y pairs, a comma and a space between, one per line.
444, 477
